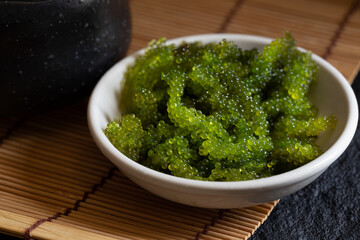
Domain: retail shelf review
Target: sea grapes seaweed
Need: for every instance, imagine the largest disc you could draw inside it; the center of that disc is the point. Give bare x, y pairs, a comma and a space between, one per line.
217, 112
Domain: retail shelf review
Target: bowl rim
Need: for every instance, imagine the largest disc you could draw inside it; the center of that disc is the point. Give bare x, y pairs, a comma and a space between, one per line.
290, 177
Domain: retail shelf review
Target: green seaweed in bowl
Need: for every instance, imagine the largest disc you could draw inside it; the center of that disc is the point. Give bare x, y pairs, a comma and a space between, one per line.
219, 113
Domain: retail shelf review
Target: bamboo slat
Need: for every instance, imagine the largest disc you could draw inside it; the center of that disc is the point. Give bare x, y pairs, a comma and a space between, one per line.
50, 230
13, 223
56, 184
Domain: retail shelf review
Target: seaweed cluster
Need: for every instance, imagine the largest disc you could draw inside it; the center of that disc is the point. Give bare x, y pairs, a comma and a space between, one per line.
219, 113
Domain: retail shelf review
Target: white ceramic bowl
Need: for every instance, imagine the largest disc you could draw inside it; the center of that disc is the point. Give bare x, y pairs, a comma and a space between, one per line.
332, 95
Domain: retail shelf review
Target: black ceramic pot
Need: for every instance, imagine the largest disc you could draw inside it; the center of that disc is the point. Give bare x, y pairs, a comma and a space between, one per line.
52, 52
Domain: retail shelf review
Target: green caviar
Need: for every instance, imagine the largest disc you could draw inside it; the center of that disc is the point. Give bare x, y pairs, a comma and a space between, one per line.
219, 113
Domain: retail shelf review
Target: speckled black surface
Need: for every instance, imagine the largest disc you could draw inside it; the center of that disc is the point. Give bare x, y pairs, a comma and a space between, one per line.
52, 52
328, 208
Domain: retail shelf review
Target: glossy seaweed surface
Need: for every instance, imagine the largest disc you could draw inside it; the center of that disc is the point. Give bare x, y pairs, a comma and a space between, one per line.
217, 112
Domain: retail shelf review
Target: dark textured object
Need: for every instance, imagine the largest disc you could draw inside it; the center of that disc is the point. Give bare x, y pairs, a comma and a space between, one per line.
52, 52
328, 208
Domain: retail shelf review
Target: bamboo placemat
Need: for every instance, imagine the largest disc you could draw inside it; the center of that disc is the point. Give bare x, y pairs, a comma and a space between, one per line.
54, 182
